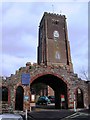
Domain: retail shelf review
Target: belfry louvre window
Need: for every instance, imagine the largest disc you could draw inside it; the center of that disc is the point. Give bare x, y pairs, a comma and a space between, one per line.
55, 22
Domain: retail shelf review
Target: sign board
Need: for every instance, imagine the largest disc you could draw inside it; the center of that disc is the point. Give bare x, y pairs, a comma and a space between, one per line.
26, 98
62, 98
32, 98
32, 104
25, 78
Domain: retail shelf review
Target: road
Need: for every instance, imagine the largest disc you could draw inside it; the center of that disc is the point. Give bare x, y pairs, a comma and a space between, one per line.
58, 115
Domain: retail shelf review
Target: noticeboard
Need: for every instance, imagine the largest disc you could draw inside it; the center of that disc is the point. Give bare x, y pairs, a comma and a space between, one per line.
62, 98
26, 98
25, 78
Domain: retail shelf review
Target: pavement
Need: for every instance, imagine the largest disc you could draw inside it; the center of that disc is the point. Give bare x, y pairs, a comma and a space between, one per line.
63, 114
79, 115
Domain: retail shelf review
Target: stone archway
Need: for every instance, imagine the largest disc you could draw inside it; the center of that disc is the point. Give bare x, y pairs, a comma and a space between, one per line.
79, 96
19, 98
57, 83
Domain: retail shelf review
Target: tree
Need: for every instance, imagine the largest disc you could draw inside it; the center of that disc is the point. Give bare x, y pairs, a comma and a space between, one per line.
84, 74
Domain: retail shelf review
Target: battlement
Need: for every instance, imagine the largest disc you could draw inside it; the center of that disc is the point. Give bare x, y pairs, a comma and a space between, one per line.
58, 16
54, 14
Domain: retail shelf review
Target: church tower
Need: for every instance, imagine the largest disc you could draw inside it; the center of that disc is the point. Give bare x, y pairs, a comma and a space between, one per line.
53, 44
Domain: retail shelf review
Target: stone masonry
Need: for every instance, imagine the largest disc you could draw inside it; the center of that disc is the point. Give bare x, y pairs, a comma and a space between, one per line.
71, 79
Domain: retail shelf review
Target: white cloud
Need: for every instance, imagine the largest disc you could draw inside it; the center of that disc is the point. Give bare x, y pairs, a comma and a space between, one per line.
12, 63
45, 0
20, 32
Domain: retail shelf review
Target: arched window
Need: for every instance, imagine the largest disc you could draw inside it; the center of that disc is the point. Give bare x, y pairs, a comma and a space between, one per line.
80, 103
19, 98
4, 93
0, 93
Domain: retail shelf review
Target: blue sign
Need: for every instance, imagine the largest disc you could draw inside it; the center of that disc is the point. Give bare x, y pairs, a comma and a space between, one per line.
25, 78
26, 98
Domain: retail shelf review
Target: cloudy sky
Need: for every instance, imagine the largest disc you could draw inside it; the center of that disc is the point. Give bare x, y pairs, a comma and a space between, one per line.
20, 21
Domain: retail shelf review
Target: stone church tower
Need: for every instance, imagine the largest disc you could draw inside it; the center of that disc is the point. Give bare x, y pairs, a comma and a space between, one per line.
54, 48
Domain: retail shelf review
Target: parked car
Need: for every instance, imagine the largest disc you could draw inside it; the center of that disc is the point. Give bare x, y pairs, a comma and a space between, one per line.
52, 99
7, 116
43, 100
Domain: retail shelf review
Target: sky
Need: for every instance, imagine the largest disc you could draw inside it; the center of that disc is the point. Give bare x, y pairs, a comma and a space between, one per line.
20, 22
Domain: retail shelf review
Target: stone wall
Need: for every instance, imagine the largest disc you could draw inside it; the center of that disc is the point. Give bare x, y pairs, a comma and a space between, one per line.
71, 79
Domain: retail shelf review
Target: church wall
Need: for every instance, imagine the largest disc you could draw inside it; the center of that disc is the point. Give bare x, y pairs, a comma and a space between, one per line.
71, 79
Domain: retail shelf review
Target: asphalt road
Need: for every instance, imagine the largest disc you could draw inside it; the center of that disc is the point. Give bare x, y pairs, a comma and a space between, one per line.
48, 115
58, 115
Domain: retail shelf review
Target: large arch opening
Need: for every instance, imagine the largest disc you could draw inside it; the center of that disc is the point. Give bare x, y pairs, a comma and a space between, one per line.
58, 85
19, 98
79, 94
